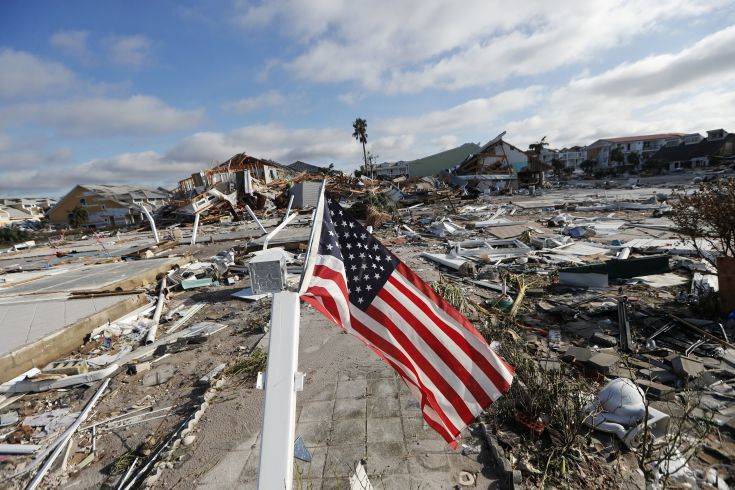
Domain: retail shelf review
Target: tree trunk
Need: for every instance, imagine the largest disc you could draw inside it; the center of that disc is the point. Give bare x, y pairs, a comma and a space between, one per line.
364, 156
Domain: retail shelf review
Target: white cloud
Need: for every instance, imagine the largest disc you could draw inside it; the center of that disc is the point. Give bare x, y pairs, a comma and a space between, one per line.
350, 98
23, 74
475, 113
391, 139
5, 142
272, 98
447, 141
73, 43
129, 50
269, 141
692, 89
710, 58
689, 90
410, 46
103, 116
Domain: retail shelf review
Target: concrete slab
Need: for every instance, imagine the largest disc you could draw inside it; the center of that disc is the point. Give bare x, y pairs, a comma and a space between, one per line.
36, 332
315, 433
126, 275
383, 407
25, 320
349, 408
387, 458
314, 411
341, 460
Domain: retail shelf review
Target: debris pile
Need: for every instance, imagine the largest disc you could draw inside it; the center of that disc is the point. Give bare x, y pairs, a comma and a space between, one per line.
617, 324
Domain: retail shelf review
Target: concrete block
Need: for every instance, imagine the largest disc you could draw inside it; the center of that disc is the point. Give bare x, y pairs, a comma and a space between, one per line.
656, 390
578, 354
659, 375
508, 477
603, 362
67, 366
603, 340
687, 367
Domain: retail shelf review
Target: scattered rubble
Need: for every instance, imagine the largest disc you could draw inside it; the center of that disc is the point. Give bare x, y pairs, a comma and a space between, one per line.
624, 361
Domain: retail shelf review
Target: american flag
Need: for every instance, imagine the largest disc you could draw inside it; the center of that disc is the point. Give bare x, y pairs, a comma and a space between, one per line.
361, 286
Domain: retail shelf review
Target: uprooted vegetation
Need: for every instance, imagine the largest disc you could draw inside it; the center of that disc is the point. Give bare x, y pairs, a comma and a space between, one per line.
452, 293
707, 216
540, 419
250, 366
540, 422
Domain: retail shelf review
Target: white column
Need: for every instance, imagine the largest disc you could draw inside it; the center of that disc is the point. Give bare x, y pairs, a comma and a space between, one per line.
288, 209
195, 229
255, 218
150, 220
279, 411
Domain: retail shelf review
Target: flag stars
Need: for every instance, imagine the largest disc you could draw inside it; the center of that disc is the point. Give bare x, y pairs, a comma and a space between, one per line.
367, 262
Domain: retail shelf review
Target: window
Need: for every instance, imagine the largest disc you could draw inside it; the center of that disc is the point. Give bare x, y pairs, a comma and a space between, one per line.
83, 201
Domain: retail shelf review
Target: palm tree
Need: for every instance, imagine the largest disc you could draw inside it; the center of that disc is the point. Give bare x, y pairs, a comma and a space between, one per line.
360, 134
78, 217
538, 147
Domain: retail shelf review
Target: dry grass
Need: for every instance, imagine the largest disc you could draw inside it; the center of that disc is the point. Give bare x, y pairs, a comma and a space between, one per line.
122, 463
453, 294
251, 365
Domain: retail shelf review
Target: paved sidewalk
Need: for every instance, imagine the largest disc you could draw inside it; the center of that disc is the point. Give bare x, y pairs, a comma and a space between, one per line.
368, 413
353, 407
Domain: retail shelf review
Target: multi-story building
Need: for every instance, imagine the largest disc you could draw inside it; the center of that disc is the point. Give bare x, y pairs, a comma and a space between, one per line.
389, 170
695, 151
547, 155
573, 157
602, 150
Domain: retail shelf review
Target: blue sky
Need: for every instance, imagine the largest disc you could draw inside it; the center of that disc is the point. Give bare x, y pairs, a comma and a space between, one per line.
148, 92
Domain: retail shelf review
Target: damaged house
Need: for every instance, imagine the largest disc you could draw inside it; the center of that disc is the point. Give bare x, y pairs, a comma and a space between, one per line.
108, 205
494, 168
233, 170
23, 210
299, 166
696, 152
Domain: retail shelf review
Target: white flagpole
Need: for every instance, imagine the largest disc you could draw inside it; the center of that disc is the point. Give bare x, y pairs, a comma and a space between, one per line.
313, 247
281, 377
279, 409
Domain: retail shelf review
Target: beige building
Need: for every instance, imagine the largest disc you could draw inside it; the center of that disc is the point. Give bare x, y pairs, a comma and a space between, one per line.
107, 205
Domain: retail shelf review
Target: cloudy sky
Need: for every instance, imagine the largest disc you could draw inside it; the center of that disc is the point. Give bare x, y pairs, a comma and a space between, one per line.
148, 92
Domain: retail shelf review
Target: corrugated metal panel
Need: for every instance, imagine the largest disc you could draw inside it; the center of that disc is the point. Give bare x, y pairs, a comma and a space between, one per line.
306, 194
